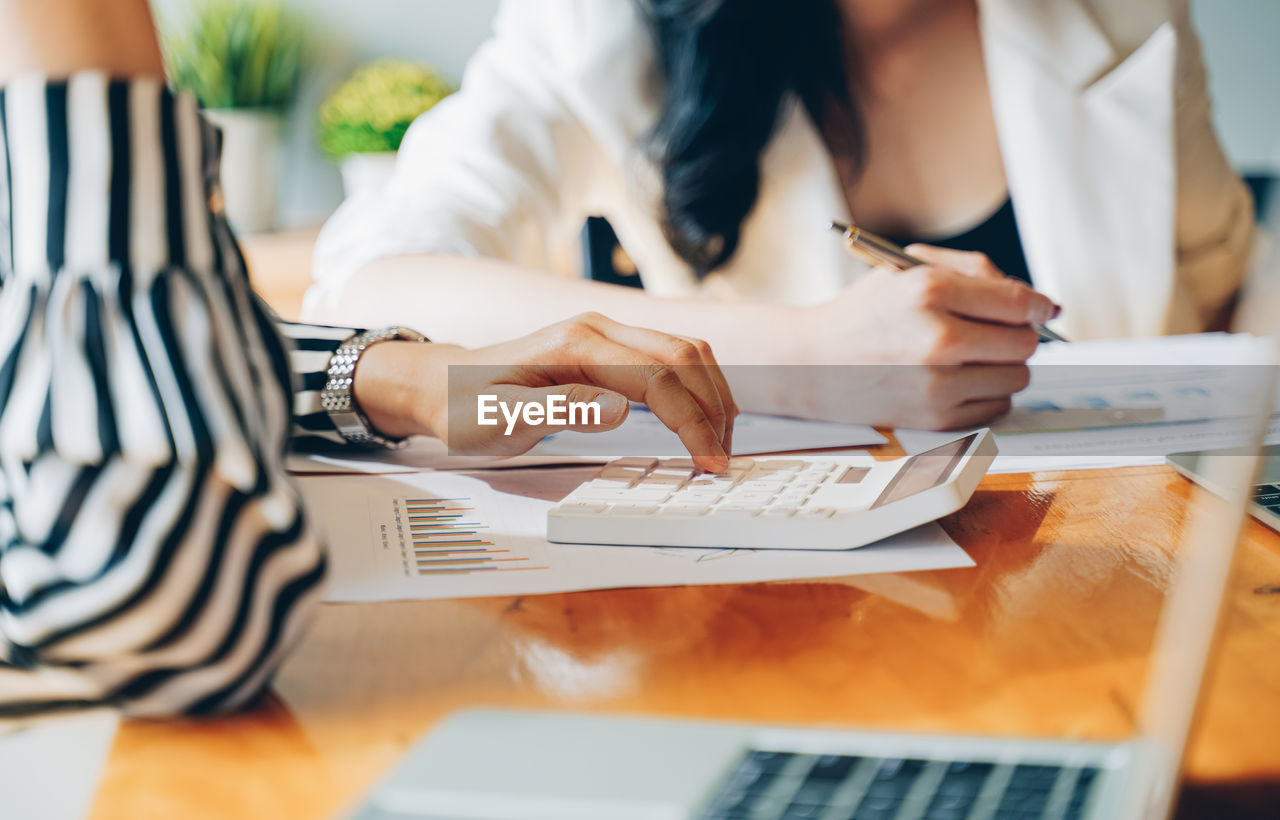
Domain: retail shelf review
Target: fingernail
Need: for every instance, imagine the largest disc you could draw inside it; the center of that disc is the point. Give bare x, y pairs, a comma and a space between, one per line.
1043, 310
1057, 311
612, 406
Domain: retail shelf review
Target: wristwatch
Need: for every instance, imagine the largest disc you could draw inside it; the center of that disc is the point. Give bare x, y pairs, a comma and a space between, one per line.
337, 398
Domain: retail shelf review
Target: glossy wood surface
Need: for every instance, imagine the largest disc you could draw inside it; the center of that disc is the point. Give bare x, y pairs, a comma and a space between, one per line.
1048, 635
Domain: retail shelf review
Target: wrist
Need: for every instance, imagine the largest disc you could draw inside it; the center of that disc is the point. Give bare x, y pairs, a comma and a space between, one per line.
402, 387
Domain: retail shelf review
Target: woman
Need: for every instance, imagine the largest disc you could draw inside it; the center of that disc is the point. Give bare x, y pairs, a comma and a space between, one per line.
153, 553
719, 137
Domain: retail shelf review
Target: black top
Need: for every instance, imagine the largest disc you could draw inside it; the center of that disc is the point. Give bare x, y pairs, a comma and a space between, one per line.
997, 237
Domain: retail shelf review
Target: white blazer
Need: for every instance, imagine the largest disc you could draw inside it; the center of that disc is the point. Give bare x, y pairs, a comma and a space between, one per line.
1130, 216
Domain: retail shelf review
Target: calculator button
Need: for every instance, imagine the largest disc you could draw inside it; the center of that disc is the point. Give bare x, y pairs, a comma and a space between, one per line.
676, 464
632, 494
696, 501
761, 484
619, 475
655, 480
637, 462
808, 511
684, 510
619, 468
690, 494
632, 508
580, 509
609, 483
744, 503
719, 489
743, 489
683, 475
732, 512
853, 475
748, 499
777, 512
780, 464
699, 503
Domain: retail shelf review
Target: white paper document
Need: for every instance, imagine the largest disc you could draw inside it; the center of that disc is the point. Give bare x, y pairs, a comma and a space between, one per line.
1123, 403
482, 533
423, 453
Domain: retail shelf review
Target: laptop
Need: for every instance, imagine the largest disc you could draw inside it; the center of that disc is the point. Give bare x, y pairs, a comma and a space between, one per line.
527, 765
1264, 503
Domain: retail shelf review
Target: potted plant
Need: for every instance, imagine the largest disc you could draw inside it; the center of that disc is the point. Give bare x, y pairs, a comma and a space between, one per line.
363, 121
242, 60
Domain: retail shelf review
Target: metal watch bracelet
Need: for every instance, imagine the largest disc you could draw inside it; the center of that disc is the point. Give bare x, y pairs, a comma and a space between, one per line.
337, 397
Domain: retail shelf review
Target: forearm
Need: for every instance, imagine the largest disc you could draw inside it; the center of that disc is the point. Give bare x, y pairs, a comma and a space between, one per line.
60, 37
475, 302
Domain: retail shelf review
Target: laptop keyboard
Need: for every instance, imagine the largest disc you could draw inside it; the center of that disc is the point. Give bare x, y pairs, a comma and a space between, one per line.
1267, 496
769, 785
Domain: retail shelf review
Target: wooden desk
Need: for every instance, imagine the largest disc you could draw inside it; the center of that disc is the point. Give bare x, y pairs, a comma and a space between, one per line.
1048, 635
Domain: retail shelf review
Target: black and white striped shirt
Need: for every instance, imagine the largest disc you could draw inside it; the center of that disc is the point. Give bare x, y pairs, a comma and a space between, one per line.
153, 553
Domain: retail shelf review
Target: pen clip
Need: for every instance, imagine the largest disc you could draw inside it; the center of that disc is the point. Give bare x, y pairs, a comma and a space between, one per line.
851, 234
873, 249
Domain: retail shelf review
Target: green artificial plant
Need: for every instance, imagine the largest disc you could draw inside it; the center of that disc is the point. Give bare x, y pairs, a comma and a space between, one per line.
237, 54
370, 112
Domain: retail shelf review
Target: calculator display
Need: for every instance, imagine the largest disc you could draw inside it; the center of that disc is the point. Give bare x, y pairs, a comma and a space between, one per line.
924, 471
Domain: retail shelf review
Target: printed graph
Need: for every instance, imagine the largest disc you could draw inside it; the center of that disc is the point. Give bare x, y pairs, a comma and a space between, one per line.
448, 538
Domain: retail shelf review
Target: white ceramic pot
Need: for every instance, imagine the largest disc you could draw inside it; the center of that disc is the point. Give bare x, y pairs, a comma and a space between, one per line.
250, 165
367, 171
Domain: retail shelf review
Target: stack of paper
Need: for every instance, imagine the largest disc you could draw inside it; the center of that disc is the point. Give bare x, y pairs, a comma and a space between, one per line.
1126, 403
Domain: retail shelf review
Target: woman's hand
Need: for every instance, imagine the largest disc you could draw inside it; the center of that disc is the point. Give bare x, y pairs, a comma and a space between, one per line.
406, 388
946, 344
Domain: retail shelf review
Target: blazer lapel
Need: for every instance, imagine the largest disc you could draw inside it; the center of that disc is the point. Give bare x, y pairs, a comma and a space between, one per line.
1086, 130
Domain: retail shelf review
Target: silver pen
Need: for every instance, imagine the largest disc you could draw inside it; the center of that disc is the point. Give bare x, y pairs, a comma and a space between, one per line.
879, 251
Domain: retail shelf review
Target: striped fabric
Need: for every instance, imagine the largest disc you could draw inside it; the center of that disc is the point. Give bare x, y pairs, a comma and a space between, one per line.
153, 553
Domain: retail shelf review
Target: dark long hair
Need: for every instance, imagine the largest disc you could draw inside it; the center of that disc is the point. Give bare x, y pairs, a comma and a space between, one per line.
728, 67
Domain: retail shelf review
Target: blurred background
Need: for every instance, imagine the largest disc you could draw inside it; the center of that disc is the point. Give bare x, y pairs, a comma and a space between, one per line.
281, 62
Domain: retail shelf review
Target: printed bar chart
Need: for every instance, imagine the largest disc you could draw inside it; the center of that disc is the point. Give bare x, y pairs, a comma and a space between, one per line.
448, 540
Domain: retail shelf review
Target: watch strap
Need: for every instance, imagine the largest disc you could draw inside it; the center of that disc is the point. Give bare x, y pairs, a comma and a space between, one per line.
338, 397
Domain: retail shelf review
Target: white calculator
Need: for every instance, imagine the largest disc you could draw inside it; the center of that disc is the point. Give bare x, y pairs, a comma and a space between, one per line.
834, 503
